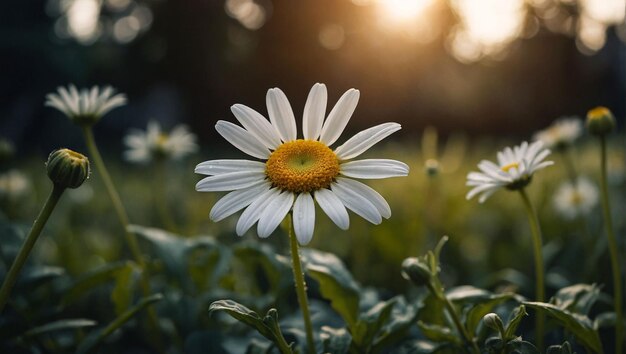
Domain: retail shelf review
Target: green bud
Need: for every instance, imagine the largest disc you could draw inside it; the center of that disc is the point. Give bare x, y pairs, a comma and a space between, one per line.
494, 322
416, 271
67, 168
431, 166
7, 150
600, 121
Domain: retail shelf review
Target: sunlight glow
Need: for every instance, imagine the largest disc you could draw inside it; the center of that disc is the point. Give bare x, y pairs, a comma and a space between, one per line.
487, 27
82, 19
404, 10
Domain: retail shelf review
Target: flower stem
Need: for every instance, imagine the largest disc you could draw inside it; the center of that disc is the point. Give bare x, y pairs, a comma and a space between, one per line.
613, 249
131, 240
298, 276
28, 244
539, 270
457, 322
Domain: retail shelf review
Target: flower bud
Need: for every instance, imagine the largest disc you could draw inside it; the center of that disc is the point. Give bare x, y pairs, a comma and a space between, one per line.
416, 271
494, 322
6, 150
67, 168
431, 166
600, 121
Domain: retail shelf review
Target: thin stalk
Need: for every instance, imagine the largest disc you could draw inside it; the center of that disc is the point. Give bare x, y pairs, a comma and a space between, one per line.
459, 326
298, 276
27, 246
613, 249
131, 240
539, 270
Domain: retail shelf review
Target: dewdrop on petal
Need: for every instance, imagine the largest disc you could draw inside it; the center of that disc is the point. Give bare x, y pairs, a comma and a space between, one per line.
67, 168
600, 121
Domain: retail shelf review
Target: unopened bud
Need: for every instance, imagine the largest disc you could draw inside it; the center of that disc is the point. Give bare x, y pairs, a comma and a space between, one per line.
494, 322
416, 271
67, 168
600, 121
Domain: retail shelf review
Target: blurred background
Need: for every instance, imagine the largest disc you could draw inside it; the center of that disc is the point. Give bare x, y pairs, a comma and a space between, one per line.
481, 66
484, 73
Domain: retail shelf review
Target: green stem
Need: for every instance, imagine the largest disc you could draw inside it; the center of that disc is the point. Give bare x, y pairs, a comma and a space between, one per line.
613, 249
457, 322
131, 240
539, 270
298, 276
27, 246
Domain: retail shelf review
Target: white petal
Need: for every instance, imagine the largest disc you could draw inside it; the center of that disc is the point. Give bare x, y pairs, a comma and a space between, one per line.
365, 139
479, 189
368, 193
230, 181
254, 211
274, 213
339, 116
281, 114
235, 201
357, 203
218, 167
242, 139
116, 101
314, 111
333, 207
256, 124
374, 169
304, 218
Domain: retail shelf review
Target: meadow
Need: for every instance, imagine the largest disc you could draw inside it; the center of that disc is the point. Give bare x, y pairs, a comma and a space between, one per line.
443, 274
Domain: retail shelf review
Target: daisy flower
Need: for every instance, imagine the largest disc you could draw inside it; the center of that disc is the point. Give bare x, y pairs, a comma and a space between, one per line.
573, 200
513, 171
13, 184
145, 146
85, 107
292, 174
561, 133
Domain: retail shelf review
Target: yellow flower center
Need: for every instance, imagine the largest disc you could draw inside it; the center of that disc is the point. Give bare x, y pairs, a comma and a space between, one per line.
506, 168
576, 198
302, 166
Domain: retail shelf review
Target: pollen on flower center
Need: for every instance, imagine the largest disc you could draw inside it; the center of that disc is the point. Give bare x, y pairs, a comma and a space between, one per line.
506, 168
302, 166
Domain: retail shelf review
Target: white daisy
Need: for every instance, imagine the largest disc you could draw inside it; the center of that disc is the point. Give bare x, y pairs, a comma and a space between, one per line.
561, 133
573, 200
296, 172
145, 146
513, 171
85, 107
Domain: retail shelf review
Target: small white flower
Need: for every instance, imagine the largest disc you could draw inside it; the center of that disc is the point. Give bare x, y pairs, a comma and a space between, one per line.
561, 133
576, 200
85, 107
294, 173
145, 146
513, 171
13, 184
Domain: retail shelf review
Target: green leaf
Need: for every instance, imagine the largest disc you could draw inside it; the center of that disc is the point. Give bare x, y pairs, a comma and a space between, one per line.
565, 348
94, 339
514, 321
59, 325
438, 333
370, 323
520, 346
88, 281
35, 276
577, 298
419, 346
478, 311
267, 326
335, 340
336, 283
122, 294
579, 325
403, 316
